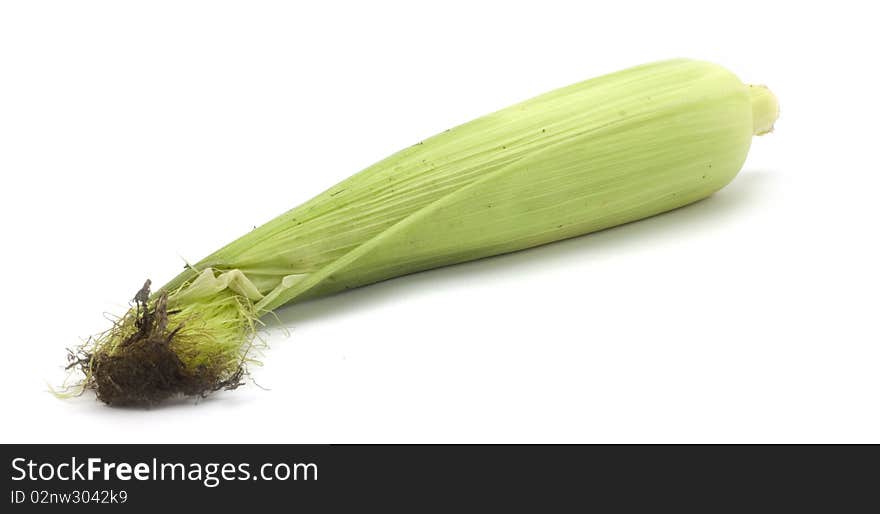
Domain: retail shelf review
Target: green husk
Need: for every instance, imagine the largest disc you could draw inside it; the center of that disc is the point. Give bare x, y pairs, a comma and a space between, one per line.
593, 155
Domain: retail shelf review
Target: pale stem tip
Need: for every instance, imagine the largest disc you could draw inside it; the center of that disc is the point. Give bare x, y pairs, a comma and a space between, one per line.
765, 109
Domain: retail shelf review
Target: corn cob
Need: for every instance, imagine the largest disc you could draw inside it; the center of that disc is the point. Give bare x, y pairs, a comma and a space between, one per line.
586, 157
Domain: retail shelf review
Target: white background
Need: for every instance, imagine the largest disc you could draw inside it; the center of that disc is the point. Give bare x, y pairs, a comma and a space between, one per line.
135, 134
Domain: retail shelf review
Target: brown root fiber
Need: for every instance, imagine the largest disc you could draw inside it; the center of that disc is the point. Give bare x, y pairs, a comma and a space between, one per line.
143, 369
